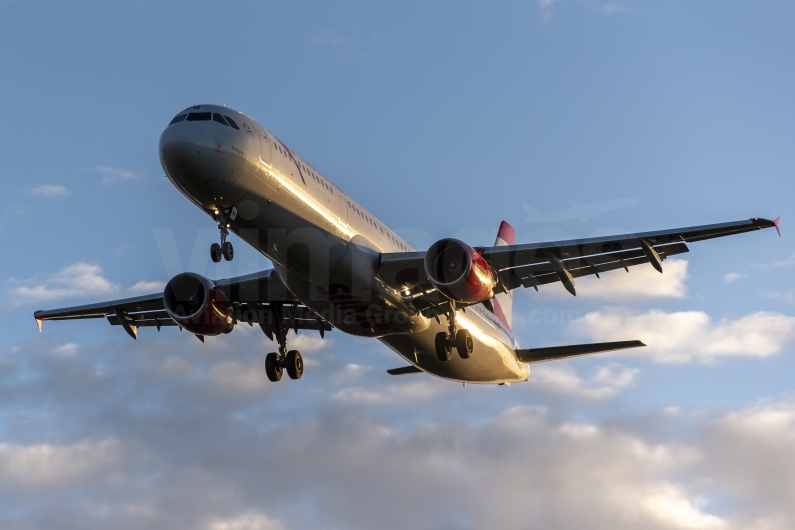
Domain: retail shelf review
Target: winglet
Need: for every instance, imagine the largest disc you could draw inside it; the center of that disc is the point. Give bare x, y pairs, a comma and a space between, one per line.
38, 321
767, 223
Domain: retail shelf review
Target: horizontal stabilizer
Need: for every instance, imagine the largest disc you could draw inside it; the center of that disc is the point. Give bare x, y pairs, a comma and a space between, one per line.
538, 355
405, 370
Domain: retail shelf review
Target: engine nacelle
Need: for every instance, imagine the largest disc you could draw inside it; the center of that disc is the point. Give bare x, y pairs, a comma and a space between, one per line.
458, 272
196, 304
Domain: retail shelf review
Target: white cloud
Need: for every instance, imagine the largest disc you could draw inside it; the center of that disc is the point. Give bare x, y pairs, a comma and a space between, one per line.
689, 335
39, 465
350, 373
292, 457
561, 378
787, 296
305, 342
545, 8
112, 174
144, 286
246, 521
733, 277
612, 9
668, 505
789, 262
78, 280
66, 351
423, 388
234, 378
50, 190
642, 282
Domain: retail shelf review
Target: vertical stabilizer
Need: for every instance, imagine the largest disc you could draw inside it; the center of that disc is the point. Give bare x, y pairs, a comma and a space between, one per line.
503, 302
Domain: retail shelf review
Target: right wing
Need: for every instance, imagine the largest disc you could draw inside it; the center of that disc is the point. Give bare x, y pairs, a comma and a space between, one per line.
256, 297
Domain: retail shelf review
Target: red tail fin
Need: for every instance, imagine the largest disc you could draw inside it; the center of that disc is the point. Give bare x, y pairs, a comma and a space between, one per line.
503, 302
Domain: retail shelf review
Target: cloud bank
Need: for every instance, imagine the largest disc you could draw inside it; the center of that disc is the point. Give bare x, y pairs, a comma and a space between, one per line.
689, 336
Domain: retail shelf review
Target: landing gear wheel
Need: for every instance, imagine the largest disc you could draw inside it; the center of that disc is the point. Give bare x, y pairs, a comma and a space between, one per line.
464, 343
294, 364
216, 252
443, 349
228, 251
273, 366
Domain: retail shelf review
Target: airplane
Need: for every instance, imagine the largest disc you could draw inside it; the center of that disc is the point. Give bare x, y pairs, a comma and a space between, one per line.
446, 311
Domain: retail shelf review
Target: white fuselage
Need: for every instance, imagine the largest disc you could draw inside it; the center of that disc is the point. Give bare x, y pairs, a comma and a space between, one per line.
324, 246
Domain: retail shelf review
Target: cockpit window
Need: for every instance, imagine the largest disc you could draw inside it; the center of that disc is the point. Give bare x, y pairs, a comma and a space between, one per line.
232, 122
178, 119
199, 116
220, 119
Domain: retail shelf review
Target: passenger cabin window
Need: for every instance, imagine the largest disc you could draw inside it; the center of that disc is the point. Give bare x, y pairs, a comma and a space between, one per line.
219, 119
232, 123
199, 116
178, 119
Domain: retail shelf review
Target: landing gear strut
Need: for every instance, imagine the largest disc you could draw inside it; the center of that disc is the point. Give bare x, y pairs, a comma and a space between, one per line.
277, 362
225, 249
460, 339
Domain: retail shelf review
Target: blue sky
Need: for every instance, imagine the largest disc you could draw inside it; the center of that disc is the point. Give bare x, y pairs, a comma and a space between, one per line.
443, 119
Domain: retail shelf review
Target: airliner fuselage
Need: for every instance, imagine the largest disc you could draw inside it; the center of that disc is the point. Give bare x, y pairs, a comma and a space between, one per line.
324, 245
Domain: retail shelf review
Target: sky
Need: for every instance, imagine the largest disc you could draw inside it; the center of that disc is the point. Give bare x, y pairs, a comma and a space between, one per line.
566, 118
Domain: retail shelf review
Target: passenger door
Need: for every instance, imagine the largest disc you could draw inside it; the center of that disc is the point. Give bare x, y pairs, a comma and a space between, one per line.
343, 202
264, 173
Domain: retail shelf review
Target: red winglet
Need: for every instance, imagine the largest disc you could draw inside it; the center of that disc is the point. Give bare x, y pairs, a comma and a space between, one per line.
776, 223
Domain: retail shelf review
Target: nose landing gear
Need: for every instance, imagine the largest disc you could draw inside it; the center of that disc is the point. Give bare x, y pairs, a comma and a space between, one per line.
225, 249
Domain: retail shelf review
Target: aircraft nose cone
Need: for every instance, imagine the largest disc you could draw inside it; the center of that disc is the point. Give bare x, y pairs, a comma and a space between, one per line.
181, 145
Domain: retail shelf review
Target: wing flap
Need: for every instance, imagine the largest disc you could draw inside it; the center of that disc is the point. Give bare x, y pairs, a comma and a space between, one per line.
538, 355
149, 302
504, 257
543, 273
142, 323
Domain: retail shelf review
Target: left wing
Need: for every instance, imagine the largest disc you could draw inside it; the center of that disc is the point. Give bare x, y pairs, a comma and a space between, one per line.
534, 264
256, 297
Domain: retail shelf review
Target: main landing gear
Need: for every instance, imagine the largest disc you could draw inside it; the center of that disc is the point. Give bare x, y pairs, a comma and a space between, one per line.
225, 249
277, 362
460, 339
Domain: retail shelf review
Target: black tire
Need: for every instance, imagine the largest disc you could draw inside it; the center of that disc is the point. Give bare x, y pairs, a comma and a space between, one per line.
273, 368
216, 252
228, 251
443, 349
464, 343
294, 364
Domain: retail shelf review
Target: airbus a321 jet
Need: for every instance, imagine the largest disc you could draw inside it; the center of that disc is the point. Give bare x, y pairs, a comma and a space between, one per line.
445, 310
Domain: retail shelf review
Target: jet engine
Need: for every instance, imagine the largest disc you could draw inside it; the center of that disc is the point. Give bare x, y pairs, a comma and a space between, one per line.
459, 272
196, 304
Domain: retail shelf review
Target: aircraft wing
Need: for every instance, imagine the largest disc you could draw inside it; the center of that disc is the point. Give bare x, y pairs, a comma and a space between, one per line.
539, 355
534, 264
252, 297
